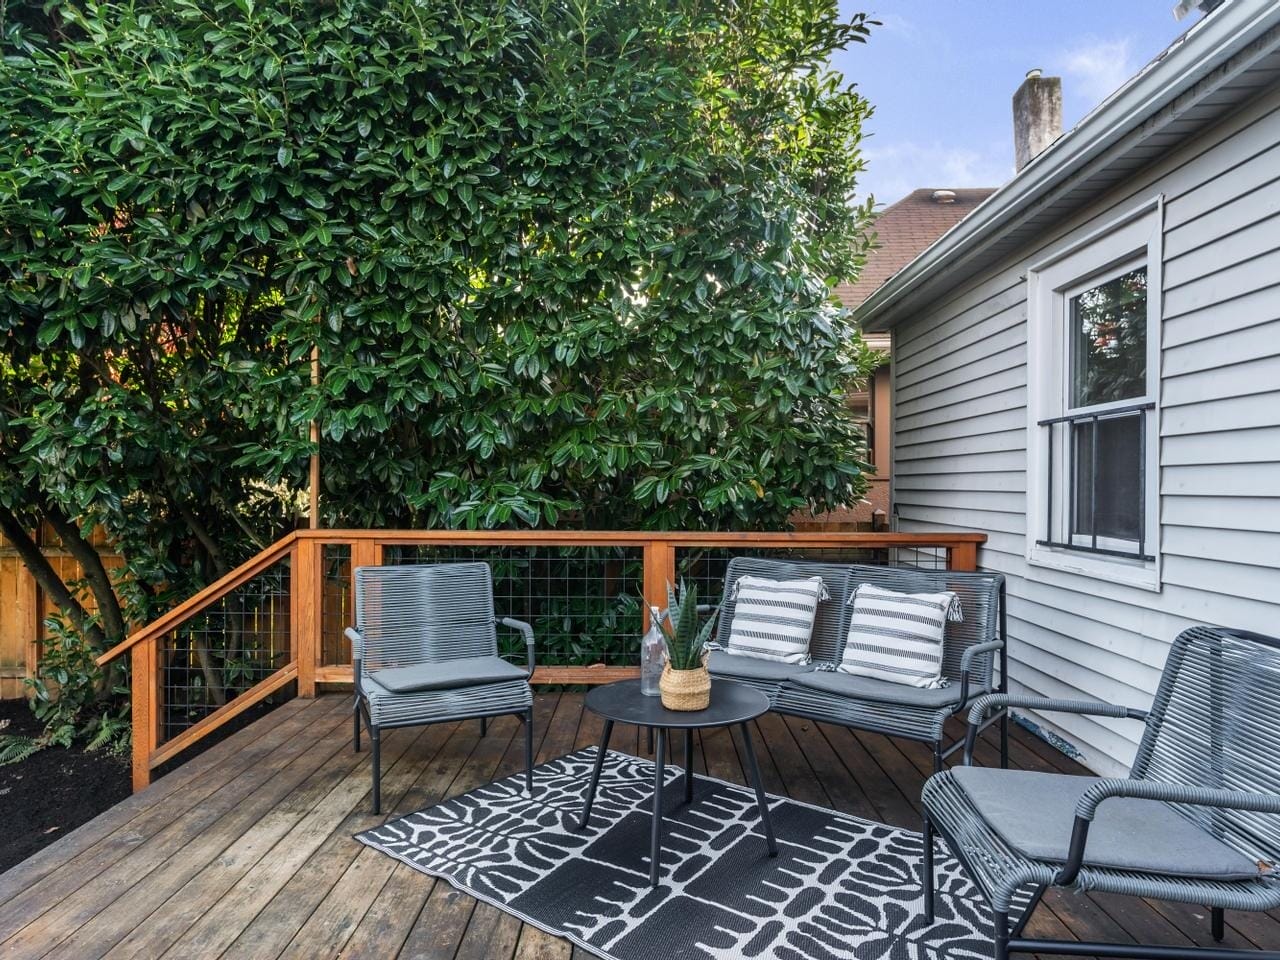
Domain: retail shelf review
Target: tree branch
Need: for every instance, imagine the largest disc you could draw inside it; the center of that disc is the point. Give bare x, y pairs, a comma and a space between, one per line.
201, 533
94, 571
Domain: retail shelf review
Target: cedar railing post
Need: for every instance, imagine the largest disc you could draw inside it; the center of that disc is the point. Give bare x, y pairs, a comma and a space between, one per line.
659, 570
144, 691
306, 581
963, 556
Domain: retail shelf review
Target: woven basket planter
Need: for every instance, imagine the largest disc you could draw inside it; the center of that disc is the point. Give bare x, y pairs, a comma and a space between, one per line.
685, 689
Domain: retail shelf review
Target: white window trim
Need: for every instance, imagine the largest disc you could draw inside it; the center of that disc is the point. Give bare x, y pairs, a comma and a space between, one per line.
1134, 236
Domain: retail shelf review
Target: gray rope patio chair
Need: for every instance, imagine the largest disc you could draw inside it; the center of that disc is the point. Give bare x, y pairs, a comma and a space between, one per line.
831, 623
425, 650
970, 650
1197, 821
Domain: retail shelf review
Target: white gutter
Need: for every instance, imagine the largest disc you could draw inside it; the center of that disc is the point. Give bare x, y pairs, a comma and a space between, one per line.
1209, 56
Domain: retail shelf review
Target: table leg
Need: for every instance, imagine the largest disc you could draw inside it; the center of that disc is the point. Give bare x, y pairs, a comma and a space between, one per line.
688, 765
761, 801
595, 775
655, 839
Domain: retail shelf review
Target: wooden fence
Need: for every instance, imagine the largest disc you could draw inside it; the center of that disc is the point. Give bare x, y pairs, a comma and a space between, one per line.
24, 606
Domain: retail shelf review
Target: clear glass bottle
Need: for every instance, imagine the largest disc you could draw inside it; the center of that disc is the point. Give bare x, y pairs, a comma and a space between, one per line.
653, 650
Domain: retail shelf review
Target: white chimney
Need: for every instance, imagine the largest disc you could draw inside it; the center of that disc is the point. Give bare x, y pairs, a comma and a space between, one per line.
1037, 116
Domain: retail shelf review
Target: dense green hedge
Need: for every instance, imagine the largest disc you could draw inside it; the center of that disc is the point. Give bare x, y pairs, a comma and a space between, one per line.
564, 263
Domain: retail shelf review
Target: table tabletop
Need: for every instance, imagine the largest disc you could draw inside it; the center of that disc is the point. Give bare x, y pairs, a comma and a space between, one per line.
623, 702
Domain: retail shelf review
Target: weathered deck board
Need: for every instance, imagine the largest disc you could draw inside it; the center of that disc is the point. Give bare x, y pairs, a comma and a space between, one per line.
247, 850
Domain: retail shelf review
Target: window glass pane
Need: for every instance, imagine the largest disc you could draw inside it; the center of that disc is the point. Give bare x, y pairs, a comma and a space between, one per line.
1108, 490
1109, 341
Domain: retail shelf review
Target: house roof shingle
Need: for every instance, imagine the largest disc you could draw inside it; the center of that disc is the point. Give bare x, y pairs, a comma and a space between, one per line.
904, 229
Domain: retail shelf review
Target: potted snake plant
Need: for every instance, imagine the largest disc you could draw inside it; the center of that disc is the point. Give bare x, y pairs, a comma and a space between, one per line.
685, 683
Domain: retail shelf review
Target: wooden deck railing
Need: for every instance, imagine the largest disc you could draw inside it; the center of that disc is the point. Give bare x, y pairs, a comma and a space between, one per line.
278, 617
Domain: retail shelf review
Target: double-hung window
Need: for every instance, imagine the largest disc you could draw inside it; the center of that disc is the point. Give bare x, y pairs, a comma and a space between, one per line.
1093, 390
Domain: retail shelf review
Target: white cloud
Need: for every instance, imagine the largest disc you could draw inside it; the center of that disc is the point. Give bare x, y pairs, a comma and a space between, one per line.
1098, 68
895, 169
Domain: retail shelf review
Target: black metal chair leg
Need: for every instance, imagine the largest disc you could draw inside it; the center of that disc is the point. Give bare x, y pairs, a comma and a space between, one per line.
595, 775
938, 762
375, 740
1218, 924
655, 836
355, 720
484, 726
528, 749
761, 800
1004, 740
1001, 924
927, 878
688, 765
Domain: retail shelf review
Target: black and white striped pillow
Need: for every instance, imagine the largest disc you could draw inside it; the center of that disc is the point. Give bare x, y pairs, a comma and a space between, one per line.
773, 619
899, 636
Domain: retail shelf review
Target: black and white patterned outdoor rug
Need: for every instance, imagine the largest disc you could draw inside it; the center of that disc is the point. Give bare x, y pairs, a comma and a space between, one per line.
840, 887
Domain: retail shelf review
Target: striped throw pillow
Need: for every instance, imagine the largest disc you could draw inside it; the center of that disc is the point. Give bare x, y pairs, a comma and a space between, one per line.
773, 619
899, 636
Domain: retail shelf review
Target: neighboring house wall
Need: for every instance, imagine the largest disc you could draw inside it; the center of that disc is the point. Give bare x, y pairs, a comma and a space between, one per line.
872, 407
902, 230
961, 433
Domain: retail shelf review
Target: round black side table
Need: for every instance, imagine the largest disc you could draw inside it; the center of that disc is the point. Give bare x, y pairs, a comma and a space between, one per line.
731, 704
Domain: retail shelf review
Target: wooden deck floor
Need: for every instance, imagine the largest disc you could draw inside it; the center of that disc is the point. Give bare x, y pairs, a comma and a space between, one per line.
246, 851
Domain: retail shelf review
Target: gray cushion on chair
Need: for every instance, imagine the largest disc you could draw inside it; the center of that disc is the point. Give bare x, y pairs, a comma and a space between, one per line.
881, 691
1034, 813
447, 674
723, 664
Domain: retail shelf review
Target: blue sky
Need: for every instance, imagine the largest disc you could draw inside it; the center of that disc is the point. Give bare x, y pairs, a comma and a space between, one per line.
941, 73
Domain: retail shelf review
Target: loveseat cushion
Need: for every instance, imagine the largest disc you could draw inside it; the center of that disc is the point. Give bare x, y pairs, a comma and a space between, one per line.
881, 691
1034, 813
729, 666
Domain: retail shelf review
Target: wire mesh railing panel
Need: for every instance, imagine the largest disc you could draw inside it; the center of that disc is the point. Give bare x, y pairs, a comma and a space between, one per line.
585, 603
235, 643
336, 613
705, 567
924, 558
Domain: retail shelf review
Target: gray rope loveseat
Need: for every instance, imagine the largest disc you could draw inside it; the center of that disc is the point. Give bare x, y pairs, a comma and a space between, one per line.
816, 691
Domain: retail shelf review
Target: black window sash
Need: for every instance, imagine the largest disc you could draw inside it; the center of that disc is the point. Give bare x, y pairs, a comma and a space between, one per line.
1069, 421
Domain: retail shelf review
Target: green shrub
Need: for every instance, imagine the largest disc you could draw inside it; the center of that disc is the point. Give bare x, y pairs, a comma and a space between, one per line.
563, 264
66, 695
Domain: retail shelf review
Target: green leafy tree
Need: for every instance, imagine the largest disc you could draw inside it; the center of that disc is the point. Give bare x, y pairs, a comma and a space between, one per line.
562, 263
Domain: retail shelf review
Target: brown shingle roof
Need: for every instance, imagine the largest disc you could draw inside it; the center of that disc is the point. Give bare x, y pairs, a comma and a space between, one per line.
904, 229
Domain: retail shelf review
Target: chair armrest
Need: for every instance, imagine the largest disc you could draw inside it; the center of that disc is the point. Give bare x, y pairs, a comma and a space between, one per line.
1088, 805
357, 643
1086, 707
1087, 809
989, 648
527, 632
1002, 701
357, 656
978, 649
